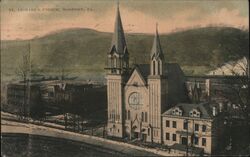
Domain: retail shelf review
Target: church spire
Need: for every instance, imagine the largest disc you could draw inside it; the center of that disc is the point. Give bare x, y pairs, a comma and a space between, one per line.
118, 56
118, 41
157, 57
156, 49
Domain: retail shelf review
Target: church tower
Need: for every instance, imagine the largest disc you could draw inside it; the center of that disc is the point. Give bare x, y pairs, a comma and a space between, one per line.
118, 57
157, 85
157, 62
118, 67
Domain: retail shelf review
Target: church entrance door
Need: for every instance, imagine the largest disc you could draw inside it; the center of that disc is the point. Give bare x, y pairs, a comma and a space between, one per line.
144, 137
136, 135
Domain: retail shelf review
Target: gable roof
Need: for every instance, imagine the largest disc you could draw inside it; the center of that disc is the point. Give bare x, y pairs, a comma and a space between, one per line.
133, 75
144, 70
204, 108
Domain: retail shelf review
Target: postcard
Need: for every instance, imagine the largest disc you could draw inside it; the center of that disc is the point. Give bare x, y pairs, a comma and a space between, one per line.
124, 78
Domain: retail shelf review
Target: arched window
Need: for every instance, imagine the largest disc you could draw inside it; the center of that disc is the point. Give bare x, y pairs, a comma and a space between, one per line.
115, 64
142, 116
153, 67
159, 68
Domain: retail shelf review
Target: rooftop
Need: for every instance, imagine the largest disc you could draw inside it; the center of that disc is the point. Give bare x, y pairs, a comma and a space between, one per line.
171, 69
205, 110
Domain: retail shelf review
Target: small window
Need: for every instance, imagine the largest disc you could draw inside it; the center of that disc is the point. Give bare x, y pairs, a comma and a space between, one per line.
51, 94
174, 137
142, 116
167, 123
146, 117
196, 140
148, 131
135, 84
204, 128
118, 130
185, 125
184, 141
204, 141
167, 136
174, 124
128, 114
196, 127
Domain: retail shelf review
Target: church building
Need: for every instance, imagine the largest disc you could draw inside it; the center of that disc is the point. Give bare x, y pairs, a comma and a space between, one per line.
139, 94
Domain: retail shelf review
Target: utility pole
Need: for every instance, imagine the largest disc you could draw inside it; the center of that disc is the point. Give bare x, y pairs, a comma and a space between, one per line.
186, 121
29, 81
192, 138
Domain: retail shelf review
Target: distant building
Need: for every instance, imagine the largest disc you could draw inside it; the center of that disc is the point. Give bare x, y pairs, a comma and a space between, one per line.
198, 126
215, 88
56, 97
239, 67
22, 101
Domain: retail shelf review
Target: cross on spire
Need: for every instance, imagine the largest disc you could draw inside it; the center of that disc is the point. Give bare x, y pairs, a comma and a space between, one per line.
118, 3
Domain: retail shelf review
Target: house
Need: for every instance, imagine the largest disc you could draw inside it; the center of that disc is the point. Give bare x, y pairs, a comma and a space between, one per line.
195, 127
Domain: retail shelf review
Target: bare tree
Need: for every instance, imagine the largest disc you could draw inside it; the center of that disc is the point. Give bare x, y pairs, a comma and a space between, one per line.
24, 71
239, 87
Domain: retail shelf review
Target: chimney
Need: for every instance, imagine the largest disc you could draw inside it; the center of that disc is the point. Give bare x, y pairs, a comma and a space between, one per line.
220, 107
207, 88
214, 111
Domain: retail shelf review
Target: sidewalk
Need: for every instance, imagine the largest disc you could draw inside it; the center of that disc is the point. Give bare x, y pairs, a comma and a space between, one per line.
128, 149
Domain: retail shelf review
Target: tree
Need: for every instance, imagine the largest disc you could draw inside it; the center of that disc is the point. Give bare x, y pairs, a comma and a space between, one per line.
237, 92
239, 87
24, 71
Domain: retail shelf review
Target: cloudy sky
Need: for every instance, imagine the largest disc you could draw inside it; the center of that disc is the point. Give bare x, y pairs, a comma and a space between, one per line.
26, 19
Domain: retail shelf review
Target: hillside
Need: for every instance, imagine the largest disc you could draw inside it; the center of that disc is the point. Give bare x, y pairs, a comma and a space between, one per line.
82, 52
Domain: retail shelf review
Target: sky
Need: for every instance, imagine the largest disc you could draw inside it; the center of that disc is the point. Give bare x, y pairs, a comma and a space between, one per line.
27, 19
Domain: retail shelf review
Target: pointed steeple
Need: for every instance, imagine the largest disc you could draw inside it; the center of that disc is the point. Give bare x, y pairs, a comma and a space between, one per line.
196, 92
118, 56
118, 42
156, 49
156, 56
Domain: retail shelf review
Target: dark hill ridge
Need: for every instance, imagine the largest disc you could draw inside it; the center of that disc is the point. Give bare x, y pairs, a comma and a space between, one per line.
83, 51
